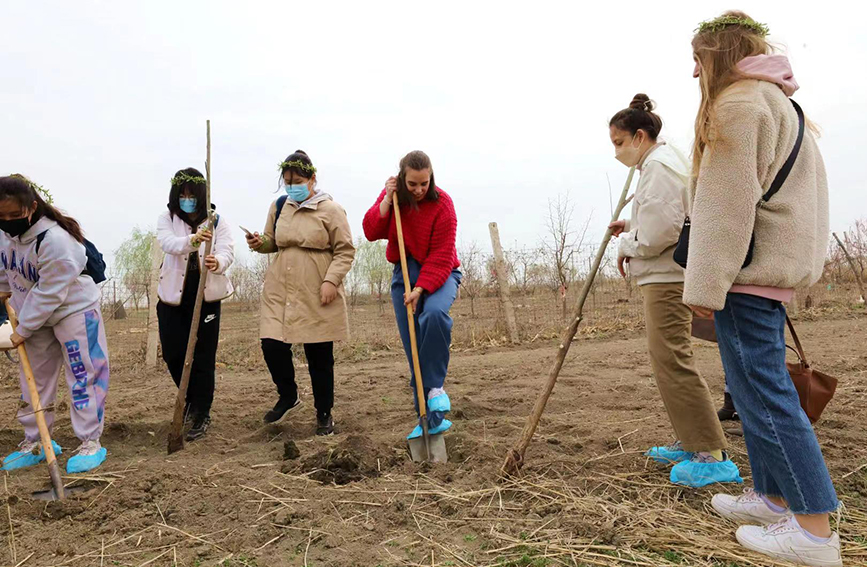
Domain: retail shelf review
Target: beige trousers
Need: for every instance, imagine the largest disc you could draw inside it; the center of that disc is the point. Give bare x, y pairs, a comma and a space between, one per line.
685, 393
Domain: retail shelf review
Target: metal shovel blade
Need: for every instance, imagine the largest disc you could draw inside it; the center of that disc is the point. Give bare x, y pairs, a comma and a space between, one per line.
51, 493
438, 453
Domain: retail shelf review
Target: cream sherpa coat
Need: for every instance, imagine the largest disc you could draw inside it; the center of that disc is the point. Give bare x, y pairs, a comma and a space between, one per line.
756, 128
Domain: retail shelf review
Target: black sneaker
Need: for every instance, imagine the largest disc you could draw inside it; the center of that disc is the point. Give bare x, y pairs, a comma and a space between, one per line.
188, 416
201, 423
324, 425
280, 410
728, 412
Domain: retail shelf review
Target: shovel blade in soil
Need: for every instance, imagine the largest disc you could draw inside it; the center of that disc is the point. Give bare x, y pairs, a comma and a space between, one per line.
51, 494
438, 453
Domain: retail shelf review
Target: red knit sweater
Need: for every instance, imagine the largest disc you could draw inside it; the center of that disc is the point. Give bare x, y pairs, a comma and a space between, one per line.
429, 235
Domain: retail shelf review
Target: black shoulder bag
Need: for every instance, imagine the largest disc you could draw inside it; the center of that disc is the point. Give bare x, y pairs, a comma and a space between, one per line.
681, 252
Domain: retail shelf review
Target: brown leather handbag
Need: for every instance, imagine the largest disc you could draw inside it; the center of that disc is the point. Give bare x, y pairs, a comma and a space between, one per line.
815, 388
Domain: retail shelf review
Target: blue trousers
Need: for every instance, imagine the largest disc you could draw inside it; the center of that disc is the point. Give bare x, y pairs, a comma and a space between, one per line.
433, 326
785, 457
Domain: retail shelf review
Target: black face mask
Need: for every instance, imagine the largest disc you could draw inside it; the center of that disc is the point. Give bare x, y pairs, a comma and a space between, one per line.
15, 227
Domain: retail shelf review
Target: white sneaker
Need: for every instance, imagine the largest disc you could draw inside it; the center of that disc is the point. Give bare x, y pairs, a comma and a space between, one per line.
89, 448
787, 541
748, 507
28, 446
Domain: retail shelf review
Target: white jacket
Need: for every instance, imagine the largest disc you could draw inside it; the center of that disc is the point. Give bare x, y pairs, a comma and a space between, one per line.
174, 236
658, 210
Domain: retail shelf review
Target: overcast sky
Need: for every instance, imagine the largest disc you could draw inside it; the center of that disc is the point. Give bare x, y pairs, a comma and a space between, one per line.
101, 102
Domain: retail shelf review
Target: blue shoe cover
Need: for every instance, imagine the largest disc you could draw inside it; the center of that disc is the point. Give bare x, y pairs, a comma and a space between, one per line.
442, 427
417, 432
669, 454
84, 463
697, 474
20, 459
440, 403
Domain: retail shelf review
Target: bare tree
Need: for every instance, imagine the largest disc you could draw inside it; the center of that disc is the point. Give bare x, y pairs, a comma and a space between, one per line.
372, 269
474, 268
562, 243
248, 278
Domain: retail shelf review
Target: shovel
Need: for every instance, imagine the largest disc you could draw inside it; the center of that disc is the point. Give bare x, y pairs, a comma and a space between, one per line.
57, 492
428, 447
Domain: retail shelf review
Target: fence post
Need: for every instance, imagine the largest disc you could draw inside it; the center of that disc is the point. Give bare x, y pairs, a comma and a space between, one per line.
153, 327
503, 280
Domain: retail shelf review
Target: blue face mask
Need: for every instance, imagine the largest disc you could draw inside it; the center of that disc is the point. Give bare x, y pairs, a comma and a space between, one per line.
298, 193
188, 205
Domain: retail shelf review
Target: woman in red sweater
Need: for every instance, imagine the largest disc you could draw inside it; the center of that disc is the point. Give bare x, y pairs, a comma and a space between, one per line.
429, 229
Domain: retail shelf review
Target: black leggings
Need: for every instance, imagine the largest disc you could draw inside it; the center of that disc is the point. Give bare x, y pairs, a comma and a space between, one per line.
174, 322
320, 362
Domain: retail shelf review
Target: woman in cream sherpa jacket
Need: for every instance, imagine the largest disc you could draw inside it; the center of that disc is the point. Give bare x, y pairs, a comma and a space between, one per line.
746, 129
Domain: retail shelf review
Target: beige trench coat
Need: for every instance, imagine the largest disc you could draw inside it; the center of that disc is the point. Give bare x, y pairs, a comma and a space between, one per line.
313, 245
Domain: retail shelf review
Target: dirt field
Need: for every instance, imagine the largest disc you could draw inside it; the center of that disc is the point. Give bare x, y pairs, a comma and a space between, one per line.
587, 496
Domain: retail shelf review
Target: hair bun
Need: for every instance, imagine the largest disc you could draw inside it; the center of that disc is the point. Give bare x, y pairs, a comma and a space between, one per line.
642, 102
302, 152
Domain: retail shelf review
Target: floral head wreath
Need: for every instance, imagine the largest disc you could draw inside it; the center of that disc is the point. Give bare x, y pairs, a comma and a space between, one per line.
722, 22
297, 164
182, 178
46, 195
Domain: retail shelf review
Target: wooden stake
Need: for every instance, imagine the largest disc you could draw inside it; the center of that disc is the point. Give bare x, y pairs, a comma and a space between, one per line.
503, 280
853, 266
153, 326
515, 458
176, 438
36, 404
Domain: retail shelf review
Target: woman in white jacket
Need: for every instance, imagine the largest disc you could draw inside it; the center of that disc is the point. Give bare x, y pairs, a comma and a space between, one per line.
182, 233
647, 244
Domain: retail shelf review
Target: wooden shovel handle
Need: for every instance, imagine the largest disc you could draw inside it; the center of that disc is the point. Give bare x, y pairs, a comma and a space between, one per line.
410, 316
36, 403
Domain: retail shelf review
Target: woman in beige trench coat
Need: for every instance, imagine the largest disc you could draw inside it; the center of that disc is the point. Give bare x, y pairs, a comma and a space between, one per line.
303, 298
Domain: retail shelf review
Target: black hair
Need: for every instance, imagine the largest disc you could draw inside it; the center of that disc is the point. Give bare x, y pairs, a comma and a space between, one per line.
417, 160
22, 190
637, 116
299, 156
187, 181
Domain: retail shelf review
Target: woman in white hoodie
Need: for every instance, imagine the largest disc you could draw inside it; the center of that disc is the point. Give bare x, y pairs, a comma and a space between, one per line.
748, 249
647, 242
182, 233
44, 258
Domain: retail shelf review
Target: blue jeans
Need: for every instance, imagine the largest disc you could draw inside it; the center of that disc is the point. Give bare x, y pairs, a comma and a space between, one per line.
784, 454
433, 326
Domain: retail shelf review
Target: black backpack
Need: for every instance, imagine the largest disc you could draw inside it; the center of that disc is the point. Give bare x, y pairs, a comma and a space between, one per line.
280, 202
95, 267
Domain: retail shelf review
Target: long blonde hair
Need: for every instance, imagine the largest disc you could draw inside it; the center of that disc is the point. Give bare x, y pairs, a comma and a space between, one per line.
718, 50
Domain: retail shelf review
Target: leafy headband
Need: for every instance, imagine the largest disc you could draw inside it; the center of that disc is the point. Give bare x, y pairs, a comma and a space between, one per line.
182, 178
722, 22
46, 195
296, 164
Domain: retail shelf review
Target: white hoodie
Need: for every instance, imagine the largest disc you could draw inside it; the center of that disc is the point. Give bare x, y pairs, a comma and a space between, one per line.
49, 286
658, 211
